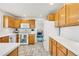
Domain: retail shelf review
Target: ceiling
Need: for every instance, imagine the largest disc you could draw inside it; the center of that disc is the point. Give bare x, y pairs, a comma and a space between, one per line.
29, 9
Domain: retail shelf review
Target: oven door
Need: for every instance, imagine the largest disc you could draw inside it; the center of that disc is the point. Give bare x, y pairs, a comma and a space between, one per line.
23, 38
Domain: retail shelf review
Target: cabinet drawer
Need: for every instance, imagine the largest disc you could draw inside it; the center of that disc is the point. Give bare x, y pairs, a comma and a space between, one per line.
62, 48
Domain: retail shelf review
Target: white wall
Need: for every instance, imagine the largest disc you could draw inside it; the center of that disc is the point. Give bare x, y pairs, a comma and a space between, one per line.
49, 29
71, 33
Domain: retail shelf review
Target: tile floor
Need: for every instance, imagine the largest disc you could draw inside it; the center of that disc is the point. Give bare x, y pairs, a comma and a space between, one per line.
33, 50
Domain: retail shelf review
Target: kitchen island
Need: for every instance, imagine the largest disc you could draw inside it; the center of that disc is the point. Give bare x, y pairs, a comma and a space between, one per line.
7, 49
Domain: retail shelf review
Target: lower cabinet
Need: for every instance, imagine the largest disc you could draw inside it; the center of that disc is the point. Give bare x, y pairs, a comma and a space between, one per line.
31, 38
17, 38
57, 49
52, 47
14, 52
59, 52
70, 53
4, 39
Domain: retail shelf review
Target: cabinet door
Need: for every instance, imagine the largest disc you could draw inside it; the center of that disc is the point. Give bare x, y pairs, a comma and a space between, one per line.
51, 17
8, 21
71, 53
50, 46
59, 52
62, 48
17, 23
5, 39
56, 19
72, 11
17, 38
54, 50
62, 21
11, 22
32, 23
0, 39
31, 39
14, 52
24, 21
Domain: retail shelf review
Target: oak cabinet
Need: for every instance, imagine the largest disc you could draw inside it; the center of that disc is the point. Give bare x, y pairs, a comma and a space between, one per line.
11, 22
31, 38
17, 38
51, 17
59, 52
8, 21
4, 39
13, 53
17, 23
72, 14
57, 49
57, 19
24, 21
32, 23
52, 47
62, 19
0, 39
62, 48
70, 53
67, 15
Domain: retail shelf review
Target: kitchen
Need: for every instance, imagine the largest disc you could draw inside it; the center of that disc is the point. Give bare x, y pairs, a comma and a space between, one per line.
55, 30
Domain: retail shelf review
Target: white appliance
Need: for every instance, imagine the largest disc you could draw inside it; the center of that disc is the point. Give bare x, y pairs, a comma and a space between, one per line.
24, 30
23, 38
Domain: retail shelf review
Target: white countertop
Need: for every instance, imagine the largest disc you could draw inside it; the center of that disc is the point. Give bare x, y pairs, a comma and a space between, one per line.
6, 48
2, 35
69, 44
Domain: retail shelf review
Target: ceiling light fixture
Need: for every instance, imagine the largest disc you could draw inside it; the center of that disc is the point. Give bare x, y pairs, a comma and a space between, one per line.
50, 4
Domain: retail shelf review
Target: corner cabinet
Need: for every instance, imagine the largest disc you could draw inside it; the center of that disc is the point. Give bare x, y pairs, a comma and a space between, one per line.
57, 49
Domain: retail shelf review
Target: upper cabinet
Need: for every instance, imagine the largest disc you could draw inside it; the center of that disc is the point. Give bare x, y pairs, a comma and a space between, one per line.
57, 19
72, 14
11, 22
8, 21
25, 21
17, 23
32, 23
62, 19
51, 17
68, 15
